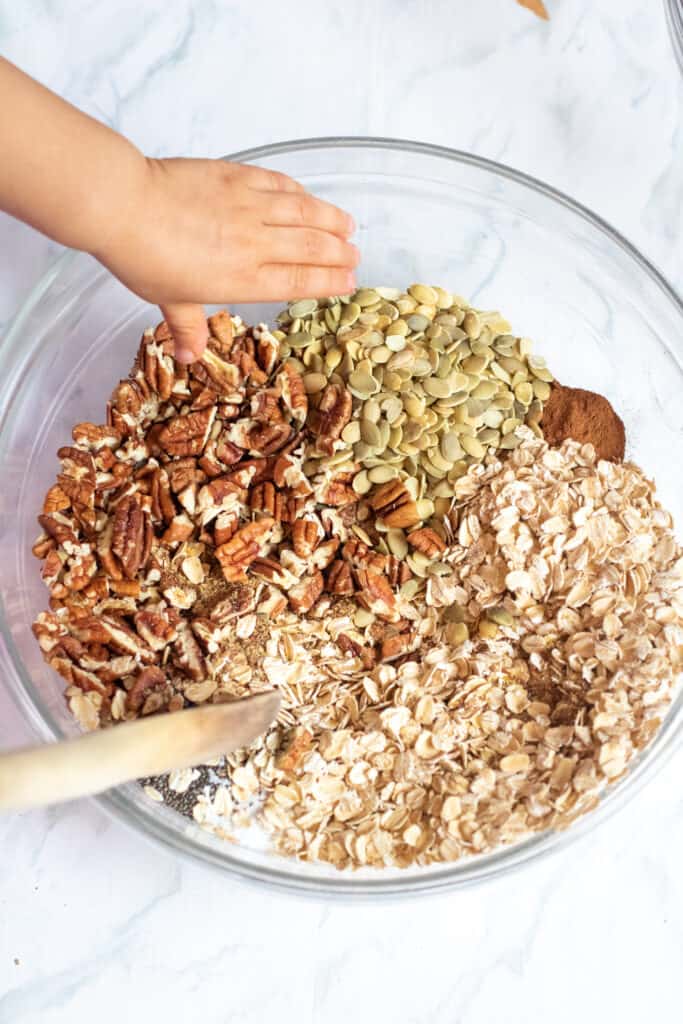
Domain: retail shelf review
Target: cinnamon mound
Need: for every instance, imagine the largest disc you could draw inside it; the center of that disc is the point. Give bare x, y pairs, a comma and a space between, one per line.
584, 416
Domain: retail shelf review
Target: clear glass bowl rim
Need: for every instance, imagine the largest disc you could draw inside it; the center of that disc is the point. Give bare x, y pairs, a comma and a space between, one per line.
450, 876
674, 19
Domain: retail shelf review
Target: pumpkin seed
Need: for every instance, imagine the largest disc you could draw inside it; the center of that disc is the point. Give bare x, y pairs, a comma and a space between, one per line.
418, 322
436, 387
314, 382
541, 389
382, 474
474, 365
510, 441
456, 633
302, 308
473, 447
370, 434
524, 393
501, 616
423, 294
351, 432
361, 483
363, 384
397, 543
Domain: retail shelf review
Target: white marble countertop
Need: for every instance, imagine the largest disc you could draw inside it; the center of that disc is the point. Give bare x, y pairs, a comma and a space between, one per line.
94, 922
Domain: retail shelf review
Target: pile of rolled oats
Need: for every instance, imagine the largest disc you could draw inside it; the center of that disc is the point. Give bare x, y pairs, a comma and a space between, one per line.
471, 639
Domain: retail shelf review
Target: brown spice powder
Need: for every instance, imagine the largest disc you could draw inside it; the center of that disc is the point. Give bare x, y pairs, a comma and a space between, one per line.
586, 417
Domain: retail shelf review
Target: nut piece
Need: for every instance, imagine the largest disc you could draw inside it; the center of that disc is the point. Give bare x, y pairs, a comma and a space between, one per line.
224, 378
332, 415
396, 646
239, 552
306, 535
131, 536
299, 743
268, 438
376, 595
304, 594
340, 579
55, 500
392, 501
293, 393
220, 326
427, 541
188, 434
150, 678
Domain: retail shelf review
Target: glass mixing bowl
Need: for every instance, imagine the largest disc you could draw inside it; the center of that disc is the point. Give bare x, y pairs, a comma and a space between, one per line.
599, 312
674, 17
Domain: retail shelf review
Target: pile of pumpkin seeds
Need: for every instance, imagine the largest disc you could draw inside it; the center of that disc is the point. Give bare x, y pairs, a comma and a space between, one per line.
436, 384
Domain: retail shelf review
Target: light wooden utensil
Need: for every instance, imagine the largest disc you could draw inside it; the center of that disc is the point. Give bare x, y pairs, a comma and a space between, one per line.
55, 772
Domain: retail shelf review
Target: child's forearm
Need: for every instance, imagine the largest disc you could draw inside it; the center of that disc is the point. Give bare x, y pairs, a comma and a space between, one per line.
61, 171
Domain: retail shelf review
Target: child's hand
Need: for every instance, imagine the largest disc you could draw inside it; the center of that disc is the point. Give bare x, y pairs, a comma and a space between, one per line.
209, 231
177, 232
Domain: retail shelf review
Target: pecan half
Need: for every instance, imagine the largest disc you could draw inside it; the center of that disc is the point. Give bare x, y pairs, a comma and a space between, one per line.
57, 525
324, 553
266, 498
268, 438
225, 527
392, 501
150, 678
306, 535
130, 542
267, 350
265, 406
396, 646
156, 628
94, 438
183, 473
331, 416
81, 570
220, 326
340, 579
376, 595
188, 654
225, 378
427, 541
271, 570
338, 494
239, 552
156, 365
55, 500
125, 409
188, 434
306, 592
293, 392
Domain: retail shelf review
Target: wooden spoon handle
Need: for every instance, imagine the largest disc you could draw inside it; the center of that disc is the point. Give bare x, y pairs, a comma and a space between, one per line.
89, 764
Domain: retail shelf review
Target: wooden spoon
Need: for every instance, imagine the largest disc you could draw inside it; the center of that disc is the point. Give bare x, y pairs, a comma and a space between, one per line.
55, 772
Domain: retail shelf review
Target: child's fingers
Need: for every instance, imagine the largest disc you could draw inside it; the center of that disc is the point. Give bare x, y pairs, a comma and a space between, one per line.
285, 209
280, 281
187, 324
310, 246
263, 180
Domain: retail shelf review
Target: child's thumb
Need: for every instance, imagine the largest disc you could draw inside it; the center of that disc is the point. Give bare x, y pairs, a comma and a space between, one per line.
187, 324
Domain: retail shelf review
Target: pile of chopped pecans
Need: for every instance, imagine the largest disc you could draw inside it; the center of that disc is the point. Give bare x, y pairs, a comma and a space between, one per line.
430, 708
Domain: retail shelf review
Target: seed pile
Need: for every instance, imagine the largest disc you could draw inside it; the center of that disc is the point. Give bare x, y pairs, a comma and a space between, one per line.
436, 384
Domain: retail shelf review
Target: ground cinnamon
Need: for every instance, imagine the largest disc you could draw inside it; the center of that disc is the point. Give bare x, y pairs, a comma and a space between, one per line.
586, 417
